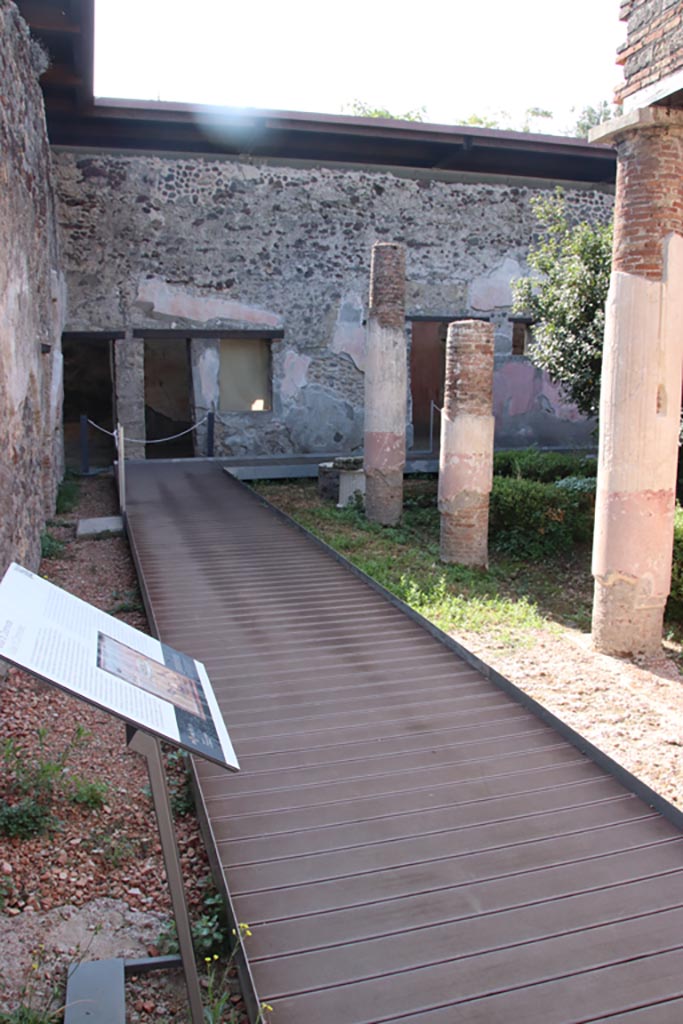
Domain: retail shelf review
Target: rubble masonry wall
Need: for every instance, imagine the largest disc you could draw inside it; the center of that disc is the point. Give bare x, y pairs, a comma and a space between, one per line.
32, 305
170, 242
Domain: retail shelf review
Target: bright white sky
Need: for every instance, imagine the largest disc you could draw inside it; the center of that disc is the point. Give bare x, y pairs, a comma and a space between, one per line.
454, 57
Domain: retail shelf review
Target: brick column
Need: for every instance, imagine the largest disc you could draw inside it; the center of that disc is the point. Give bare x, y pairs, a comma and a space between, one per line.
640, 397
386, 383
129, 392
466, 456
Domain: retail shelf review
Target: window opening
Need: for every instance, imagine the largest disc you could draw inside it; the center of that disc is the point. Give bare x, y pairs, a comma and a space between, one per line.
245, 375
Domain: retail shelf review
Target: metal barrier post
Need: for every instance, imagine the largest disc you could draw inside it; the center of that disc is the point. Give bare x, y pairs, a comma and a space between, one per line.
209, 434
85, 455
121, 466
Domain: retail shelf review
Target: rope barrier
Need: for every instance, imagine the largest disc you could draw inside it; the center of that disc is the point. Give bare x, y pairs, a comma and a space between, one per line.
156, 440
111, 433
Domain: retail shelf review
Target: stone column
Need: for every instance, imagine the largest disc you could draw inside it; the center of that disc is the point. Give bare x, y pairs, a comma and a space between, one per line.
386, 383
466, 456
640, 397
129, 388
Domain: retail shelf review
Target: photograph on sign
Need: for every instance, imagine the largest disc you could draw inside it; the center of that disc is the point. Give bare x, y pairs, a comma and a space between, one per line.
139, 670
95, 656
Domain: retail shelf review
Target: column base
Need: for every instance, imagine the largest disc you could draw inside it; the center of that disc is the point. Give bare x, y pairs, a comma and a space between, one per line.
464, 533
626, 621
384, 496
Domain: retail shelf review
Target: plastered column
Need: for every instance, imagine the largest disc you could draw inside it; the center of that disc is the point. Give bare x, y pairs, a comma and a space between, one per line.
129, 376
466, 455
385, 386
640, 397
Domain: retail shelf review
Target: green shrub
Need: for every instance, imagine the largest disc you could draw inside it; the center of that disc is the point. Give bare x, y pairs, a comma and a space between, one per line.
577, 484
533, 464
25, 819
674, 608
536, 520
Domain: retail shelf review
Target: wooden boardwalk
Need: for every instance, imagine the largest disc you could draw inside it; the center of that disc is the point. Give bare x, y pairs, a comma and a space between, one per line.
406, 840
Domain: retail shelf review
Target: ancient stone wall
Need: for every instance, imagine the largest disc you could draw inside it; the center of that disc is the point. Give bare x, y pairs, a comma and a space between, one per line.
32, 305
166, 242
654, 46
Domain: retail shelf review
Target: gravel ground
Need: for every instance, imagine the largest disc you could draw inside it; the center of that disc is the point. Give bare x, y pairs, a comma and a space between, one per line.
95, 886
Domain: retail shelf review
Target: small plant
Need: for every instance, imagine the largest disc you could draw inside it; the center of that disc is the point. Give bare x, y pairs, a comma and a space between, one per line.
6, 890
86, 793
32, 781
26, 1015
50, 547
179, 783
25, 819
113, 848
218, 993
30, 1010
125, 601
210, 932
67, 495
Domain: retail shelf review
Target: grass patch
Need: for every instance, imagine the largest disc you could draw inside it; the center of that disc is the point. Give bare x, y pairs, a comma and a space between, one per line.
511, 600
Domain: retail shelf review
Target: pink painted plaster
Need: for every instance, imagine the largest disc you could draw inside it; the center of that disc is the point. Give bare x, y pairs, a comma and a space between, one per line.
518, 386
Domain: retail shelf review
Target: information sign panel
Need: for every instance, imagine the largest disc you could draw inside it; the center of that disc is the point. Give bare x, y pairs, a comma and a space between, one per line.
67, 642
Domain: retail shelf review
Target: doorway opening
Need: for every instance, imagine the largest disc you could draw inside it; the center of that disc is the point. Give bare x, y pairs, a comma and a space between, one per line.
427, 373
168, 384
88, 391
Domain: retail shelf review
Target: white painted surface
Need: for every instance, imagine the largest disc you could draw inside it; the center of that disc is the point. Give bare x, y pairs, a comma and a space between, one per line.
164, 299
294, 373
493, 290
386, 380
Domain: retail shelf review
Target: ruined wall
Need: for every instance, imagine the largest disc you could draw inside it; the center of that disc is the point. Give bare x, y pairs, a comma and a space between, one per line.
31, 305
156, 242
654, 46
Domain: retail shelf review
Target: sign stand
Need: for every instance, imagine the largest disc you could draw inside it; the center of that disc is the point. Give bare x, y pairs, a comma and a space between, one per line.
144, 743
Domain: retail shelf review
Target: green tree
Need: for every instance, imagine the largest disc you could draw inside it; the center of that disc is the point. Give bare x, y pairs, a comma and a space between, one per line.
565, 297
590, 117
502, 119
358, 108
485, 120
533, 114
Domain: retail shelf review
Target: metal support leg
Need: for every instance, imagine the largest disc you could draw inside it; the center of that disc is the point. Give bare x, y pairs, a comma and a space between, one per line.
144, 743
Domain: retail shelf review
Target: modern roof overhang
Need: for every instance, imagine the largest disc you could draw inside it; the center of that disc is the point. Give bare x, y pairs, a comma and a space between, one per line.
76, 119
